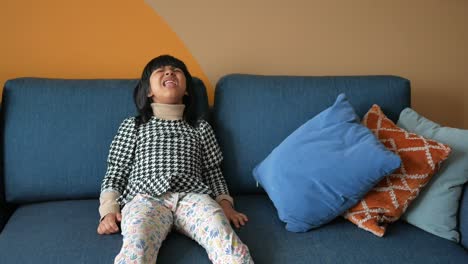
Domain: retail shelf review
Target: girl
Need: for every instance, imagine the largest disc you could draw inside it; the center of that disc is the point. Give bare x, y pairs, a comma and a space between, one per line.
163, 166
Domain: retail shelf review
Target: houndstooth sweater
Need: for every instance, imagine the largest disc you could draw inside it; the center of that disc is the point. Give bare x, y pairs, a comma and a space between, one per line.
161, 156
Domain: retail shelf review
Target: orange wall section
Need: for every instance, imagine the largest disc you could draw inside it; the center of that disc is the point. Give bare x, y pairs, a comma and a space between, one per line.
85, 39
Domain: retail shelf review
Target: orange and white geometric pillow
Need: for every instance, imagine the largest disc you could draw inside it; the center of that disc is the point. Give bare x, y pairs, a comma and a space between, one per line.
389, 199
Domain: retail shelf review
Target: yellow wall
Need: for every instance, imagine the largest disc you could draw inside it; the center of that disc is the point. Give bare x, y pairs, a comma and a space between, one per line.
84, 39
425, 41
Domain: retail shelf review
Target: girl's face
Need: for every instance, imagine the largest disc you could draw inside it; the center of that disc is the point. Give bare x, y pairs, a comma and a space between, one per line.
167, 85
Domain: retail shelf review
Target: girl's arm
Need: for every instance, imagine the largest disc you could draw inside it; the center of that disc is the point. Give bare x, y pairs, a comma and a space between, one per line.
212, 175
212, 158
119, 163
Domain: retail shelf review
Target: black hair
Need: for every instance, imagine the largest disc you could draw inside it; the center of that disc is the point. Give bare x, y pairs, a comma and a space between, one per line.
140, 94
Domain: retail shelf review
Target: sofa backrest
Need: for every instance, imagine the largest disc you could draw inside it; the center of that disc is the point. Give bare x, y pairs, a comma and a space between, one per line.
253, 114
56, 135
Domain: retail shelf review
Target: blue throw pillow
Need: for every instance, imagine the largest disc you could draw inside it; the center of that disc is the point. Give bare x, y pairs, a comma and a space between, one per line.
324, 167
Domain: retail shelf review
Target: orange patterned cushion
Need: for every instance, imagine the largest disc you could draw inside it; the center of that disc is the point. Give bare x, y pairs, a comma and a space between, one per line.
389, 199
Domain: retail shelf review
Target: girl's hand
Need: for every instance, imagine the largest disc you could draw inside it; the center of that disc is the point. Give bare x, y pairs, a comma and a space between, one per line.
238, 219
108, 225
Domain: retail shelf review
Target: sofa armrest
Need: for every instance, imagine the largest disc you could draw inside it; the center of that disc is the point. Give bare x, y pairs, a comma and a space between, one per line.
5, 212
463, 217
5, 209
4, 215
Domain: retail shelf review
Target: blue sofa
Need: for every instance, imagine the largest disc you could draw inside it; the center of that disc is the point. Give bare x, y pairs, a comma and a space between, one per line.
55, 141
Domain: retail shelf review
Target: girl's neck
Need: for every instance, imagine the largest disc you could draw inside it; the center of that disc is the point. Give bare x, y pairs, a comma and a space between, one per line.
168, 111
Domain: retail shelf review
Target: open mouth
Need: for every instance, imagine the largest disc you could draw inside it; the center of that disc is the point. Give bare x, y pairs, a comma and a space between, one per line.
169, 83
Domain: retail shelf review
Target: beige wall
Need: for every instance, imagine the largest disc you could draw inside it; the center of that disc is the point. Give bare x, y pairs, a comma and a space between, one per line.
425, 41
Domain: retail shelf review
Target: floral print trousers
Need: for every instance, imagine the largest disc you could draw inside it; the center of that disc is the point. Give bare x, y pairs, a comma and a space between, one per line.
146, 221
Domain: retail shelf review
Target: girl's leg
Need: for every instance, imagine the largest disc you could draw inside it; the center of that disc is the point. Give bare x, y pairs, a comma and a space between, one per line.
145, 224
202, 219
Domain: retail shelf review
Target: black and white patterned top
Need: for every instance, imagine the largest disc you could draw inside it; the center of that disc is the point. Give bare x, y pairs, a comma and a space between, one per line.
161, 156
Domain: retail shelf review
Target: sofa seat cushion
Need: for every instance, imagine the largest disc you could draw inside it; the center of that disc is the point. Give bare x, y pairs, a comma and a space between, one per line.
338, 241
65, 232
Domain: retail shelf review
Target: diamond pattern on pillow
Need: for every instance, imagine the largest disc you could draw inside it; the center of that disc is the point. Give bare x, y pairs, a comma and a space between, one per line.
390, 198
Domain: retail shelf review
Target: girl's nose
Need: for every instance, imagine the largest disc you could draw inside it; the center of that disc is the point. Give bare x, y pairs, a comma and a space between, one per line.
169, 72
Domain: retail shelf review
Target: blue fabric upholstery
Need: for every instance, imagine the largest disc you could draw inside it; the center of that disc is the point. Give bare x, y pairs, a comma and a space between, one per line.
463, 218
57, 232
50, 151
65, 232
339, 241
4, 214
4, 211
253, 114
57, 134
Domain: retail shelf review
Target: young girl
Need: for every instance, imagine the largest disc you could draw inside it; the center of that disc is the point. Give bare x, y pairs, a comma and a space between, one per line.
163, 166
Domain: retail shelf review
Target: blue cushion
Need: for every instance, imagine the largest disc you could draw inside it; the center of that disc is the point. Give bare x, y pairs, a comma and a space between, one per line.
57, 134
65, 232
324, 167
339, 241
254, 113
436, 208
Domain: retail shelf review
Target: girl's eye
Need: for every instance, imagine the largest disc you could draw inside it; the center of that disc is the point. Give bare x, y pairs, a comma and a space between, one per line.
177, 70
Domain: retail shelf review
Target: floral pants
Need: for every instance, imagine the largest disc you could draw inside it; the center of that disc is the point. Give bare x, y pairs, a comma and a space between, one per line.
146, 221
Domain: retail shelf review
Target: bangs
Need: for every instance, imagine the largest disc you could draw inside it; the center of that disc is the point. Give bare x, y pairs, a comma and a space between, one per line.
166, 60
